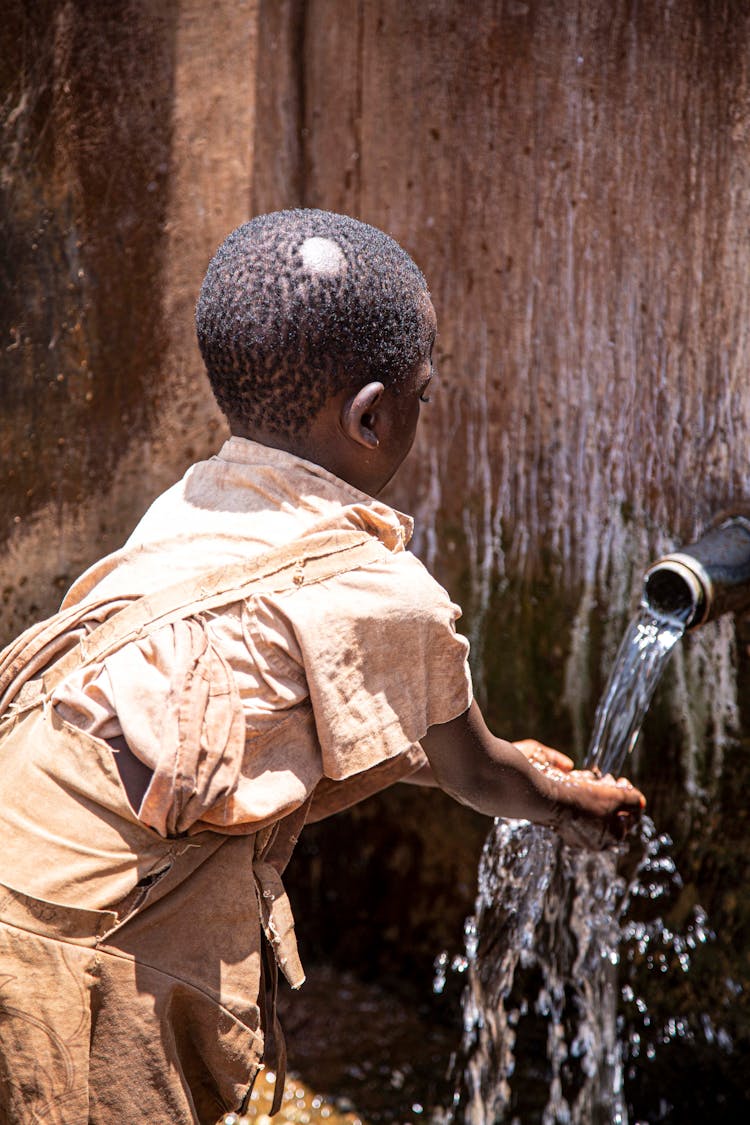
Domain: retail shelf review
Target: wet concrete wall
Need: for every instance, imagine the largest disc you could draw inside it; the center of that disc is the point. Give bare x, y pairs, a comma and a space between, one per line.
125, 159
574, 180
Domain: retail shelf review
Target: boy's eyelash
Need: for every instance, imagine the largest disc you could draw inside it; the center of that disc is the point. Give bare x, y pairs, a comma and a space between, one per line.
424, 397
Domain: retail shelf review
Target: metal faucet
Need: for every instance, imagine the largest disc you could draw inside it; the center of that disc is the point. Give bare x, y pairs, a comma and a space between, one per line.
705, 579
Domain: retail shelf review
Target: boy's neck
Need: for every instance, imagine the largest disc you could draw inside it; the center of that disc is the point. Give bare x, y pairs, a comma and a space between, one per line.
313, 448
285, 442
359, 435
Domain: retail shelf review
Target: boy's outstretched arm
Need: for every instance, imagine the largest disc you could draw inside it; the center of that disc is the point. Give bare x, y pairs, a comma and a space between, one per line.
529, 781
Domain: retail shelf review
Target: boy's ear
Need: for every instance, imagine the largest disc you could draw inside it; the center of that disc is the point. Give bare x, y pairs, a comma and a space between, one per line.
359, 418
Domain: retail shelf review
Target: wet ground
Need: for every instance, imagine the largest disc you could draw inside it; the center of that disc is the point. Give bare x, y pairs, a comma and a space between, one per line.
359, 1055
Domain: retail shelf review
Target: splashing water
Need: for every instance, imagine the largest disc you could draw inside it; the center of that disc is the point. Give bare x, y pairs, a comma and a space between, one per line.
539, 1004
554, 931
559, 953
639, 664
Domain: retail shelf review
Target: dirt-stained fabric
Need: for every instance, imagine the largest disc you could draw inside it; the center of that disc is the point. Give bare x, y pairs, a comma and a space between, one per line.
332, 679
129, 988
136, 981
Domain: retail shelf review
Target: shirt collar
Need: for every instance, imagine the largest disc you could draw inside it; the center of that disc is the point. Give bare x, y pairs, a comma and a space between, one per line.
394, 528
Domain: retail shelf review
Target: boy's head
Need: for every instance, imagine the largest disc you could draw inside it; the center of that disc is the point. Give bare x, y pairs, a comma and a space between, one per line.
297, 306
317, 333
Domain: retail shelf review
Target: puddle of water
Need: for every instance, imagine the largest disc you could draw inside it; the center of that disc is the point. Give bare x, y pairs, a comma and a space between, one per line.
358, 1054
301, 1104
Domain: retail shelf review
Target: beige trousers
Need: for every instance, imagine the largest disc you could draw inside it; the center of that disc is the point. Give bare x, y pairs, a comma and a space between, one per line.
139, 994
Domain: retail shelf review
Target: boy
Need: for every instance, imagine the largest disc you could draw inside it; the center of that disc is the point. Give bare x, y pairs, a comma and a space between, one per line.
262, 651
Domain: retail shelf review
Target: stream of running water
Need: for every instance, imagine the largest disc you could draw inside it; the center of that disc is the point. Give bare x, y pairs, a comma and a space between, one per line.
637, 669
554, 933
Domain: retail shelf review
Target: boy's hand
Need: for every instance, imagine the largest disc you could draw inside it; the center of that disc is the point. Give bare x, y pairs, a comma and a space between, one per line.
591, 811
540, 755
530, 781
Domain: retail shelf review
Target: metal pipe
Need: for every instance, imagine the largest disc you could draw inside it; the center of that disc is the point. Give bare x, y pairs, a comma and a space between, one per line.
705, 579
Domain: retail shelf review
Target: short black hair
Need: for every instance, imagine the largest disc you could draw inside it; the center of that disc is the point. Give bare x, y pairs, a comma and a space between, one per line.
296, 305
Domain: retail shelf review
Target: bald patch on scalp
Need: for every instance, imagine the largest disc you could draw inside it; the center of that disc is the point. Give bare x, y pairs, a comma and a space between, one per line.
322, 255
298, 305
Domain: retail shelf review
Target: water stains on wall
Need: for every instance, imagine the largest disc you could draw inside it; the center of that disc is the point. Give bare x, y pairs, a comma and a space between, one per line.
125, 160
86, 160
573, 179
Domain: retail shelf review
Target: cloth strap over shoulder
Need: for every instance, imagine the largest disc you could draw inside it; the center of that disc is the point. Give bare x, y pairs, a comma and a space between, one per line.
313, 558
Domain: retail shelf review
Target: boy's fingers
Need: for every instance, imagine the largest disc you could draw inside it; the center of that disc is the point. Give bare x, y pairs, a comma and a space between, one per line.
593, 812
628, 793
620, 792
597, 832
540, 755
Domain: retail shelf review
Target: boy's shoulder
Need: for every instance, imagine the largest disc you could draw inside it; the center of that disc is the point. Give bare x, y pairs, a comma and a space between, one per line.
397, 590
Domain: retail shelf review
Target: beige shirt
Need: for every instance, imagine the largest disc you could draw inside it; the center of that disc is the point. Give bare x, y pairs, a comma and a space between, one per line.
244, 713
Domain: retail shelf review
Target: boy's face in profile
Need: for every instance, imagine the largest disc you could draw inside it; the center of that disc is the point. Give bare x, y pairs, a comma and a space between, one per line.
398, 437
363, 434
